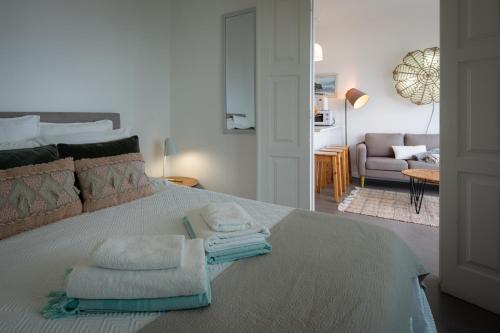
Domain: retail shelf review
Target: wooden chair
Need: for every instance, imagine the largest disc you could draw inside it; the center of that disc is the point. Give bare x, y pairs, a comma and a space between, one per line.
342, 166
323, 172
322, 159
347, 161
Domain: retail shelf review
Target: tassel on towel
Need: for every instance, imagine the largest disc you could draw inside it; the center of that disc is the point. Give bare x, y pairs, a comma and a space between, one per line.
60, 306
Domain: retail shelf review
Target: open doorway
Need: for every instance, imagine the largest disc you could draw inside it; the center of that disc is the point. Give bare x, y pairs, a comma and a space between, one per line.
377, 116
384, 49
283, 140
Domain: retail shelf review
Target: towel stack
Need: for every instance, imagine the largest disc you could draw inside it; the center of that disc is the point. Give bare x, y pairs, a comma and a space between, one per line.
135, 274
229, 233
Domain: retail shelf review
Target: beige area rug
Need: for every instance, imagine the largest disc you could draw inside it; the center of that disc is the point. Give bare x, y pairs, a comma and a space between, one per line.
391, 205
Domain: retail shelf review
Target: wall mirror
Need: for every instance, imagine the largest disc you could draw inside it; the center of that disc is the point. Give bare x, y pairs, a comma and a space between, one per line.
239, 54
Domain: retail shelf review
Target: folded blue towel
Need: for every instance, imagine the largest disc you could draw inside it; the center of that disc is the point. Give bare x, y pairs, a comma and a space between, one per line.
237, 253
61, 306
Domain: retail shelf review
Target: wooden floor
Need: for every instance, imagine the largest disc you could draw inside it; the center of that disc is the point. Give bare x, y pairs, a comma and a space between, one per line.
451, 314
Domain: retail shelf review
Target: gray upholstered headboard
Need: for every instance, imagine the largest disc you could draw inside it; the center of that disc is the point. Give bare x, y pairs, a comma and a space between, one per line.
67, 117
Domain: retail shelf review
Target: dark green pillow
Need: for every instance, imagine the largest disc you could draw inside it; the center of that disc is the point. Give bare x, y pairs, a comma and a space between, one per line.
101, 149
18, 157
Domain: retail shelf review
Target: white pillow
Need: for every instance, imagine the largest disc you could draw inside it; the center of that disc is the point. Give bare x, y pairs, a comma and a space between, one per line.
19, 129
19, 144
407, 152
50, 129
88, 137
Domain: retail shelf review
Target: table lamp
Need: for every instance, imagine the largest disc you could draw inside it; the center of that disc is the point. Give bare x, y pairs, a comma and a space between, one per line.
169, 149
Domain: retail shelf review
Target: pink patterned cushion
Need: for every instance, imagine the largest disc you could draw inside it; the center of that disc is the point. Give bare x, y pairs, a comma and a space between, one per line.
110, 181
35, 195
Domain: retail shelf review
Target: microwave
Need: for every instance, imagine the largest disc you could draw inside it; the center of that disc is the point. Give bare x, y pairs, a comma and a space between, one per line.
324, 118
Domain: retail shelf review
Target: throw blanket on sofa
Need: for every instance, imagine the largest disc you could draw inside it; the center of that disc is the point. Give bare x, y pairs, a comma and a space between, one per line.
431, 156
325, 274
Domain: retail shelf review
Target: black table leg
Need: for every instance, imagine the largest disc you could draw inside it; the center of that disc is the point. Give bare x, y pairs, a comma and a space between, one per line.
417, 190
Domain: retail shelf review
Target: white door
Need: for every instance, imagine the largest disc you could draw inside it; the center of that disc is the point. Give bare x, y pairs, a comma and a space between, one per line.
470, 144
284, 89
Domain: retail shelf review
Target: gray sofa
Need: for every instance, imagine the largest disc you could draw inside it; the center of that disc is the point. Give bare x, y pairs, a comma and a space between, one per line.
375, 156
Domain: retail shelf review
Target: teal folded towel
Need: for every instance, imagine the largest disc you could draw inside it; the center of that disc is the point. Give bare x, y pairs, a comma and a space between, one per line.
61, 306
237, 253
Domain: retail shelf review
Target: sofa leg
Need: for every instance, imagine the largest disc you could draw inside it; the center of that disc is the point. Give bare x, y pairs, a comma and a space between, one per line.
362, 181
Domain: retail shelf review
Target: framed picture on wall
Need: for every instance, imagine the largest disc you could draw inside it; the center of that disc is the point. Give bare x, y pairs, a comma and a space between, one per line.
326, 84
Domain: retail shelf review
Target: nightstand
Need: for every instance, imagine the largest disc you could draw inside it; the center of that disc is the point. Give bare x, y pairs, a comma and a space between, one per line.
185, 181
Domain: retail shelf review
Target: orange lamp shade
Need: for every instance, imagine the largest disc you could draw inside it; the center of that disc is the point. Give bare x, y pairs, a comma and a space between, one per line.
356, 97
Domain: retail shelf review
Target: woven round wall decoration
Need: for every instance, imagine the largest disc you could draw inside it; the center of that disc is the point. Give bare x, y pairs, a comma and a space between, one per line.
418, 76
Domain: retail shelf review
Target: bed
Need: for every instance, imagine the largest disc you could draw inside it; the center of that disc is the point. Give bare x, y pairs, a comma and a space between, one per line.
33, 263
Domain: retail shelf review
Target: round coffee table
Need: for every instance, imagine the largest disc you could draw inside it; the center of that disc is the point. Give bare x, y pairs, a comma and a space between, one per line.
418, 179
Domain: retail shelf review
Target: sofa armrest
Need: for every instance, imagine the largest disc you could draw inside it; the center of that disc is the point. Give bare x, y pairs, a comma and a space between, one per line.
361, 158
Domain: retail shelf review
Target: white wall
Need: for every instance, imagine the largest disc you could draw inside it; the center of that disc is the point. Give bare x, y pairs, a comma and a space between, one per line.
363, 41
91, 56
222, 162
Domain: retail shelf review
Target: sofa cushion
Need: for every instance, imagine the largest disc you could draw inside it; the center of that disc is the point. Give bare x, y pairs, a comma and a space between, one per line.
431, 141
385, 163
380, 144
412, 164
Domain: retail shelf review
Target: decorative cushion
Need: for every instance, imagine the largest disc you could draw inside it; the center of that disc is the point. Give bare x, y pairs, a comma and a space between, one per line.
380, 144
47, 129
407, 152
20, 157
102, 149
19, 128
35, 195
110, 181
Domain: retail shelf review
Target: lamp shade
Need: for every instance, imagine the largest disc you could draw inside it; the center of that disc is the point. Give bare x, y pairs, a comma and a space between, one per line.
318, 52
170, 148
356, 97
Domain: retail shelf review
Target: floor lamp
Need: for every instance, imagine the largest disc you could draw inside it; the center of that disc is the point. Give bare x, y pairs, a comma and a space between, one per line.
358, 99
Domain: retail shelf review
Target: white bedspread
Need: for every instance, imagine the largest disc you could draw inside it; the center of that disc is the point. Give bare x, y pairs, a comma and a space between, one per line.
33, 263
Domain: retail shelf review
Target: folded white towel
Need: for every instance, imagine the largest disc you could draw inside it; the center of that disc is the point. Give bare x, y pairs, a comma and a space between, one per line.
140, 252
190, 278
215, 241
227, 216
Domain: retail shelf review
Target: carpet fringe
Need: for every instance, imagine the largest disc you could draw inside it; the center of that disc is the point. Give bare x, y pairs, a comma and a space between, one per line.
347, 200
